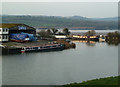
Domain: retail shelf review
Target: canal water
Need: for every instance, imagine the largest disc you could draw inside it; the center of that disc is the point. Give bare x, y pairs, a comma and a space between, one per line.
87, 61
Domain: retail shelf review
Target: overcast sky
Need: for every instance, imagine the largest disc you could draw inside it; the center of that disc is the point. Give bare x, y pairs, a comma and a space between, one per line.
86, 9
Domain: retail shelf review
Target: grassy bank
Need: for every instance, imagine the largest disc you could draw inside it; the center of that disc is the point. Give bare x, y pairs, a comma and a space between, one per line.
102, 81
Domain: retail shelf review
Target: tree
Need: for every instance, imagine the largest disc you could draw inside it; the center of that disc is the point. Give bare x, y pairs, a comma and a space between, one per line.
54, 31
91, 33
113, 34
113, 38
116, 34
42, 33
66, 31
49, 32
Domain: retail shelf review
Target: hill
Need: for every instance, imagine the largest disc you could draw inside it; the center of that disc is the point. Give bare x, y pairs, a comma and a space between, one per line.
59, 22
94, 19
106, 19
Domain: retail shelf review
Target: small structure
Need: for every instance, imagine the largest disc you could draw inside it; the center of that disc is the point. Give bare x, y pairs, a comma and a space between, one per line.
60, 36
7, 29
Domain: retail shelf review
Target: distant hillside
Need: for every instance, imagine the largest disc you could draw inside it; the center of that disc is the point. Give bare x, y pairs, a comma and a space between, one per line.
79, 18
58, 21
95, 19
106, 19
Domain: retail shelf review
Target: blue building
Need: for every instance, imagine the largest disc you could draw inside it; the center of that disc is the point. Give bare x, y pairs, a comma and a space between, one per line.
6, 30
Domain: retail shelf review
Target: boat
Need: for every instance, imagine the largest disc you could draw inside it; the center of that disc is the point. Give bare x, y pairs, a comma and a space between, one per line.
52, 47
102, 38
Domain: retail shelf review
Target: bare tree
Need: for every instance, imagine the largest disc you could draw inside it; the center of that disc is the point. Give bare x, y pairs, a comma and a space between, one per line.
91, 33
66, 31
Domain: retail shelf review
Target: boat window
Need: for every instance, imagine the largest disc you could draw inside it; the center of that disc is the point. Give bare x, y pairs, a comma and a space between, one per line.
36, 47
44, 47
54, 46
27, 48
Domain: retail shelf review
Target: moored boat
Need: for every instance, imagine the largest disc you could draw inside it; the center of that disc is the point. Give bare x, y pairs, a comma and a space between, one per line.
52, 47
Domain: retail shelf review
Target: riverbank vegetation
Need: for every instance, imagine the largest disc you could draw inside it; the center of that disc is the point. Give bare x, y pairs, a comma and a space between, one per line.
102, 81
113, 38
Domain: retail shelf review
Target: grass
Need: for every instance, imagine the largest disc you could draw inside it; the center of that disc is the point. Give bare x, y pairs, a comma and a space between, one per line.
111, 81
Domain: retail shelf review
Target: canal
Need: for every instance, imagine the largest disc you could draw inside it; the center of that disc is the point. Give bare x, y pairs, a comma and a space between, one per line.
87, 61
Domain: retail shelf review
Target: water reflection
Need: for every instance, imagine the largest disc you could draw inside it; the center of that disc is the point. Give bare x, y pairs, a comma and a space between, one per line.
88, 43
113, 42
93, 43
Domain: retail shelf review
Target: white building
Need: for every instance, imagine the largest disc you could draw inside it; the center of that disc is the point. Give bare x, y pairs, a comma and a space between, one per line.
4, 34
60, 36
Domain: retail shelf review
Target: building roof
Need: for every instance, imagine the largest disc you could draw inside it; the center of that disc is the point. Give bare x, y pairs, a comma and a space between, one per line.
13, 25
8, 25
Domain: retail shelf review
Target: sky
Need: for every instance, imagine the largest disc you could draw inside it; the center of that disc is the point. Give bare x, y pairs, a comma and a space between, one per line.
85, 9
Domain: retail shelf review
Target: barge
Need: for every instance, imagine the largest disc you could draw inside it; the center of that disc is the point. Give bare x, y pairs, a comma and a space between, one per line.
37, 48
44, 48
79, 37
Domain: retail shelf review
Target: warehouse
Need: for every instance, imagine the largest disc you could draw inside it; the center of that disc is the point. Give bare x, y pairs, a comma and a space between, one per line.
7, 29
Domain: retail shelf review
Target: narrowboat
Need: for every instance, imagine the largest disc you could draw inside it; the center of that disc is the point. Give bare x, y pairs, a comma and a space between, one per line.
52, 47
